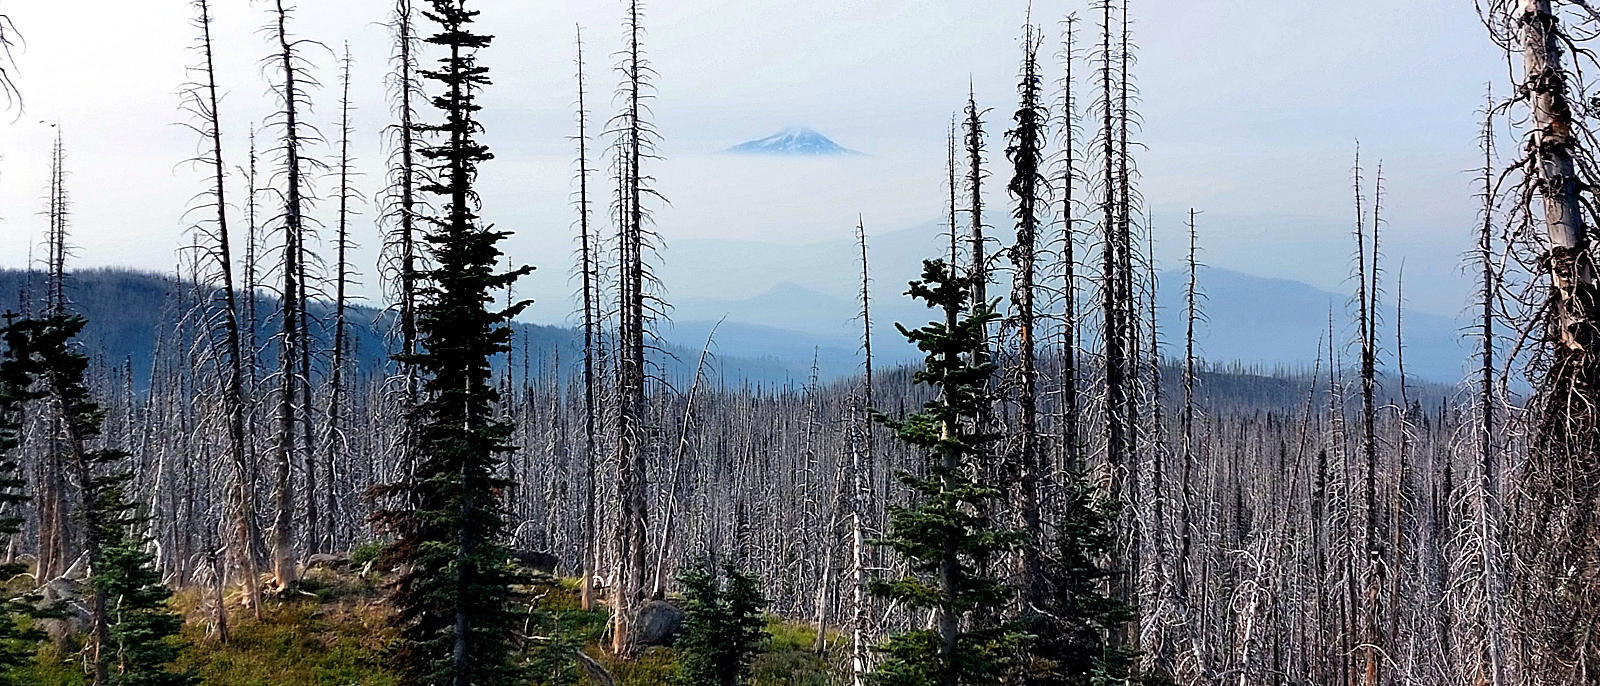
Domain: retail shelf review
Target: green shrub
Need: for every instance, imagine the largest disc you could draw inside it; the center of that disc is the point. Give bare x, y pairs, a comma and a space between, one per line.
725, 629
365, 553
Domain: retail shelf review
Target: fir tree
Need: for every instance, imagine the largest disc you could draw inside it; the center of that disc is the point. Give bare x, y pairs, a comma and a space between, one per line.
945, 535
726, 626
142, 626
1075, 632
553, 656
133, 632
455, 603
18, 638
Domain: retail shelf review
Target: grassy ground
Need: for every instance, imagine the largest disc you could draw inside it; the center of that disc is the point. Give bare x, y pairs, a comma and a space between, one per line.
334, 634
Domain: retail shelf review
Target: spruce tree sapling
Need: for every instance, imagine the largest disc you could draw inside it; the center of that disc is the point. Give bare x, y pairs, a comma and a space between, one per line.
1077, 640
726, 627
945, 535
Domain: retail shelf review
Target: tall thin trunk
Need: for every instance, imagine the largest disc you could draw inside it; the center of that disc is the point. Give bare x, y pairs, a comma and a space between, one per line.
861, 458
307, 404
252, 347
283, 564
1186, 479
243, 504
1025, 148
1366, 297
866, 329
341, 275
631, 433
589, 267
1112, 326
978, 268
1488, 496
405, 188
53, 534
1072, 457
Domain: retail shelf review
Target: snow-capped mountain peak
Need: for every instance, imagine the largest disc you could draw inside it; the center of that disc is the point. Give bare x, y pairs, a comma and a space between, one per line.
795, 140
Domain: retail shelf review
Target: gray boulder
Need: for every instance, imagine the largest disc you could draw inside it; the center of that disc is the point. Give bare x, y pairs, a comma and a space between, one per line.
334, 561
659, 623
537, 561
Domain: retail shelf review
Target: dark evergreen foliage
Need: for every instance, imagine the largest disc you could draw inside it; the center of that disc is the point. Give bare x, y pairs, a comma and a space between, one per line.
945, 535
553, 652
142, 626
1075, 632
18, 638
139, 635
1025, 149
455, 604
726, 626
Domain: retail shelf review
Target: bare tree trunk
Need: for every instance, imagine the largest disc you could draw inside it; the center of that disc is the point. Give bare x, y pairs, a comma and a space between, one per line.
861, 507
591, 548
53, 541
1186, 478
403, 237
1113, 327
283, 564
336, 366
1371, 562
1488, 483
631, 430
1559, 484
1072, 455
243, 505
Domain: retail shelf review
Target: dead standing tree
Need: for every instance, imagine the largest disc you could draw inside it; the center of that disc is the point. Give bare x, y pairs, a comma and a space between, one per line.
1025, 149
336, 442
202, 102
402, 255
1476, 599
639, 307
292, 353
590, 276
1071, 446
1556, 493
54, 541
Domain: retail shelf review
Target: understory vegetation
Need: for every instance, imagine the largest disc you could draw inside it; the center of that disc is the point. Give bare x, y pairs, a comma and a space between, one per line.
334, 631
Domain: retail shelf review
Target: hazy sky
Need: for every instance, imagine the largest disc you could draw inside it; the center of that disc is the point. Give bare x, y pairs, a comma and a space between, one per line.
1251, 110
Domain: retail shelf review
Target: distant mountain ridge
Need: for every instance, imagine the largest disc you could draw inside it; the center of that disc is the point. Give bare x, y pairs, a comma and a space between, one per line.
796, 141
812, 289
802, 307
131, 316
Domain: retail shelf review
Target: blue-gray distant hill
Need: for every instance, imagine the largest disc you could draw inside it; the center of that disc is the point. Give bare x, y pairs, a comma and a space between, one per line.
801, 305
131, 315
795, 141
808, 293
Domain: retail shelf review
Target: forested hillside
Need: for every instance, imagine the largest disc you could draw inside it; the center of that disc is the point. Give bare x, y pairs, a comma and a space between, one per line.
1014, 461
131, 314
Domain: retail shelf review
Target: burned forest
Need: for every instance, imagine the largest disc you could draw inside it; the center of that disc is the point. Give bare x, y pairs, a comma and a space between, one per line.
346, 435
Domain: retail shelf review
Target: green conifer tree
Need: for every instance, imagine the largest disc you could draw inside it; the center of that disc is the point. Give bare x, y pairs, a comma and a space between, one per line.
19, 639
553, 657
726, 627
946, 535
134, 632
1075, 632
455, 605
